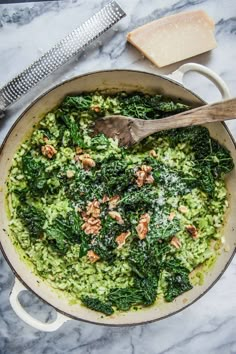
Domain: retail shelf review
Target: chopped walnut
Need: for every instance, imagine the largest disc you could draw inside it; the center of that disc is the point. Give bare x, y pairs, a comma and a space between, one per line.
92, 226
141, 178
93, 209
105, 199
113, 201
192, 230
70, 173
142, 228
45, 139
175, 241
183, 209
153, 153
149, 179
86, 160
92, 256
76, 158
116, 216
95, 109
171, 216
120, 240
144, 175
78, 150
146, 169
84, 215
48, 151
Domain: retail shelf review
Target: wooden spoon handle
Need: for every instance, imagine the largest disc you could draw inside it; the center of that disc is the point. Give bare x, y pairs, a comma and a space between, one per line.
215, 112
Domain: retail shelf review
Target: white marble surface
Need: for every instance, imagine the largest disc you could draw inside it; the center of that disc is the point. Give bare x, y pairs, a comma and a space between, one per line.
26, 31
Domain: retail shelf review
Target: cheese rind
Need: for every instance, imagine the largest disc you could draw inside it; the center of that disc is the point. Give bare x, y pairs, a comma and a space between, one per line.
174, 38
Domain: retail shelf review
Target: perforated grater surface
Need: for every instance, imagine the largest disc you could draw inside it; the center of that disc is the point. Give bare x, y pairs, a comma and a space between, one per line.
78, 39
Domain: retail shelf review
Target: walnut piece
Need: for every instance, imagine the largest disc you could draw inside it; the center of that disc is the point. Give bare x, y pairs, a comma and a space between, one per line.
105, 198
146, 169
78, 150
153, 153
116, 216
142, 228
70, 173
171, 216
144, 175
149, 179
192, 230
48, 151
92, 256
113, 202
87, 161
175, 241
91, 226
120, 240
183, 209
95, 109
93, 209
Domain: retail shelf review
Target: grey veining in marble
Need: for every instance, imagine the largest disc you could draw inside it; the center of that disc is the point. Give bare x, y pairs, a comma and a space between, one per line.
26, 31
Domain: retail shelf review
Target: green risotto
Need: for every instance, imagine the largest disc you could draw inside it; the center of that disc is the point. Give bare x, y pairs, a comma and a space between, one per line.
118, 228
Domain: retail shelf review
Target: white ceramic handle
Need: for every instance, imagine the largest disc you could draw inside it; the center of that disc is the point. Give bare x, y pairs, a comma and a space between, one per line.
27, 318
178, 75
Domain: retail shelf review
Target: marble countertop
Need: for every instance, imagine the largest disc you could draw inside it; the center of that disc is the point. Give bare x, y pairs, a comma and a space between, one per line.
26, 31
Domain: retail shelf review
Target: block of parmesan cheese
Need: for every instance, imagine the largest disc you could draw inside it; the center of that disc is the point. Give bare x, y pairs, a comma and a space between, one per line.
174, 38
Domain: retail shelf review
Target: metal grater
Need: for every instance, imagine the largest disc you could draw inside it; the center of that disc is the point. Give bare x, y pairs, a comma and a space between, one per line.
78, 39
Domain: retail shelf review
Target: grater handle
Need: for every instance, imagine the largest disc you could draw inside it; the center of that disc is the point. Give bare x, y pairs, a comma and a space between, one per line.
63, 51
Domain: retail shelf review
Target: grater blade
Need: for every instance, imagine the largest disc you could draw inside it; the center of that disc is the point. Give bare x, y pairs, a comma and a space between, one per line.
78, 39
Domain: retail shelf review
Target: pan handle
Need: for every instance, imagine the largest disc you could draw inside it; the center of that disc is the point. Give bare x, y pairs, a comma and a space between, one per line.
27, 318
178, 75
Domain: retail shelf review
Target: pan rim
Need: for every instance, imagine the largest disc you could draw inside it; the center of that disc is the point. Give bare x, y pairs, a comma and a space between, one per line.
28, 107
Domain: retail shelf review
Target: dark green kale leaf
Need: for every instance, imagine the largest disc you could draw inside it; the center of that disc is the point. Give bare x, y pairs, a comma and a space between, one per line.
143, 106
177, 280
208, 152
105, 244
77, 103
137, 199
148, 286
64, 231
84, 187
73, 126
137, 106
144, 292
97, 305
38, 180
205, 180
124, 299
164, 231
84, 245
171, 107
146, 257
99, 142
176, 182
34, 172
115, 175
219, 160
32, 218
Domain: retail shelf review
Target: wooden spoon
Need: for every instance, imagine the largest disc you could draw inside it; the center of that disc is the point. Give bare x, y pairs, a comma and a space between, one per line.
130, 130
